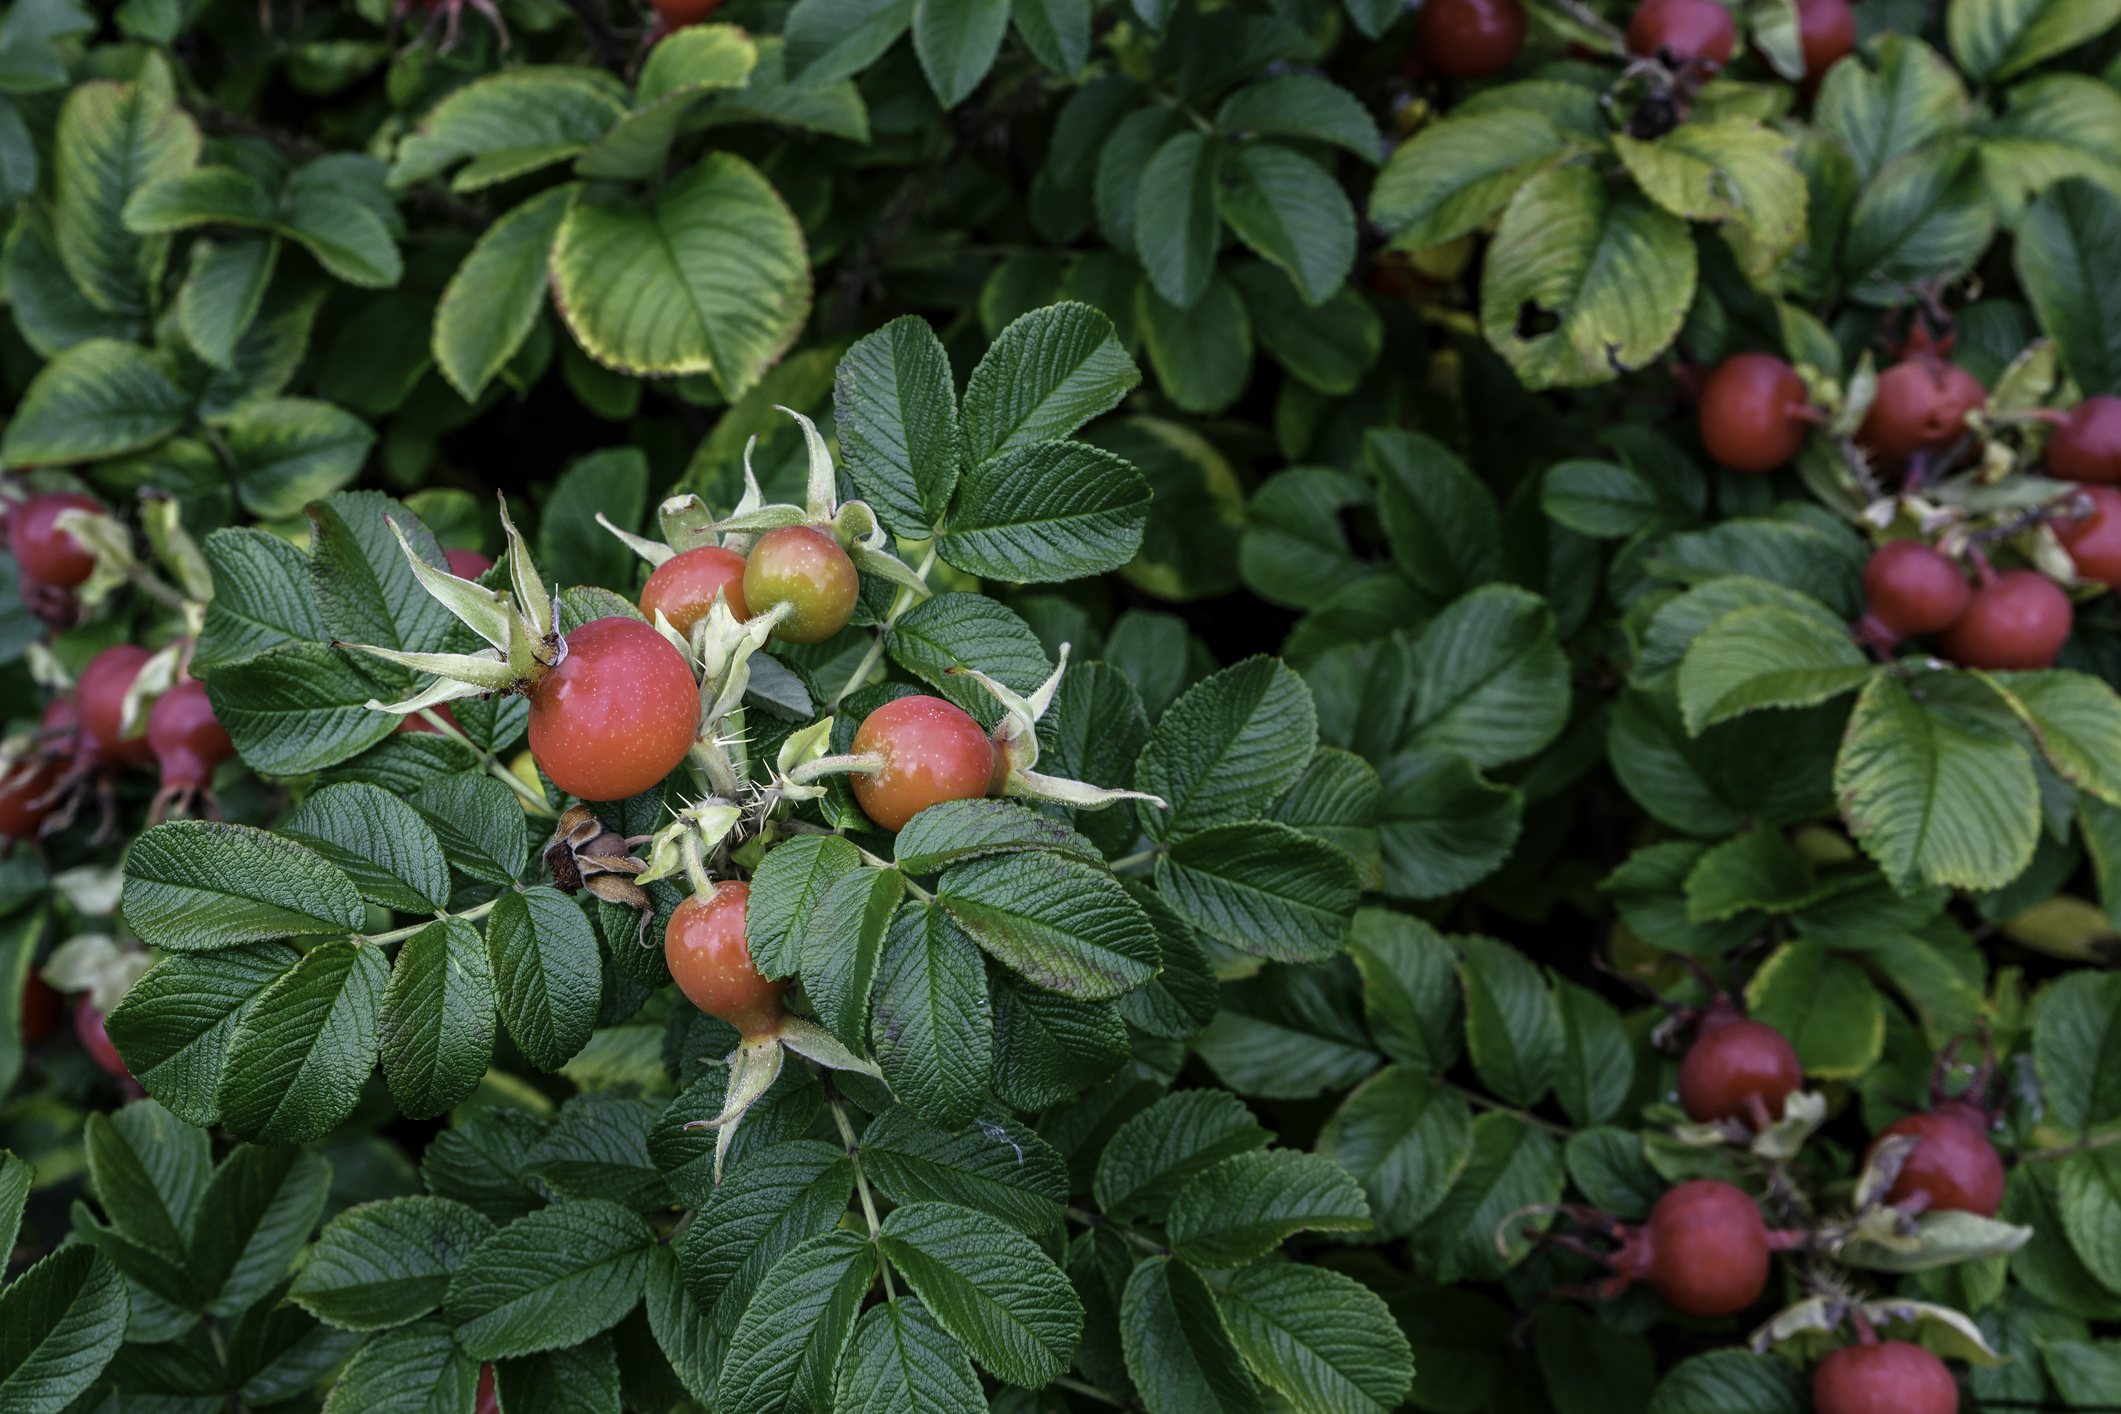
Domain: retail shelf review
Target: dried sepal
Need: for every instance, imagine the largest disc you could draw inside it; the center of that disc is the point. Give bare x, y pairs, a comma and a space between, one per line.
700, 828
156, 676
483, 611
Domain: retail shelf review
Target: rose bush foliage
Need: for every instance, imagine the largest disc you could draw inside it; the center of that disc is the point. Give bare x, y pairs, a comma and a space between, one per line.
1452, 798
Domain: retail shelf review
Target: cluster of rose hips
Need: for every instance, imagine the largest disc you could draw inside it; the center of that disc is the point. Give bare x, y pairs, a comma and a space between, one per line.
1474, 39
1705, 1247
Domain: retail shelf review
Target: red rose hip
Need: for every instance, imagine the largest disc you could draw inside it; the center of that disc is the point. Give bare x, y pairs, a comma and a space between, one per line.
1469, 39
1912, 588
2018, 622
704, 945
2094, 541
1734, 1065
684, 586
933, 751
1921, 406
1953, 1169
44, 552
1888, 1377
88, 1029
804, 568
22, 803
1748, 413
1827, 31
1687, 30
616, 714
100, 699
467, 564
1704, 1248
2087, 446
42, 1010
189, 742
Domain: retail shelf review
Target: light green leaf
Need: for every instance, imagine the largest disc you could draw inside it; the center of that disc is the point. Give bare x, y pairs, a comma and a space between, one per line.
1824, 1004
1878, 114
191, 885
1045, 375
1732, 169
1766, 656
2077, 1050
1455, 174
112, 139
98, 398
496, 295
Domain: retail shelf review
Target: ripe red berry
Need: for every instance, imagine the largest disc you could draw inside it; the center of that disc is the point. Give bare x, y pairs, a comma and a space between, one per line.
2087, 447
88, 1029
617, 714
42, 1009
684, 586
676, 14
1745, 412
414, 722
467, 564
2094, 541
1827, 30
2019, 621
22, 803
1954, 1168
189, 742
1469, 39
1687, 30
806, 569
1912, 588
100, 699
1707, 1249
1921, 406
934, 752
487, 1400
1732, 1064
704, 945
1889, 1377
46, 553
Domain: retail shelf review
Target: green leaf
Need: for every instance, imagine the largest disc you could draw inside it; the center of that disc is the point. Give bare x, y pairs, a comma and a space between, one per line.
383, 1264
964, 829
785, 1350
1441, 521
365, 588
1441, 826
1061, 923
480, 824
989, 1287
956, 41
415, 1369
1680, 621
1323, 1339
99, 398
1731, 1382
261, 597
1329, 345
572, 547
1265, 888
1229, 747
1048, 1047
380, 843
693, 1348
301, 1051
496, 295
545, 960
1292, 211
582, 1380
1046, 374
995, 1166
48, 308
896, 407
173, 1025
1997, 39
1757, 870
1878, 114
436, 1028
1202, 355
769, 96
200, 196
712, 277
550, 1279
1455, 174
1405, 1139
2065, 252
599, 1147
476, 1162
2077, 1050
829, 40
1766, 656
2090, 1196
1156, 1153
1410, 989
191, 885
64, 1319
259, 1209
1335, 800
1598, 1061
324, 210
1046, 511
773, 1200
1934, 791
1302, 106
1513, 1024
1608, 1167
1177, 1349
1490, 680
1604, 500
510, 123
1057, 32
113, 138
15, 1180
1513, 1166
787, 886
957, 629
1245, 1207
1178, 216
1613, 273
223, 293
1925, 217
933, 1036
1824, 1004
902, 1362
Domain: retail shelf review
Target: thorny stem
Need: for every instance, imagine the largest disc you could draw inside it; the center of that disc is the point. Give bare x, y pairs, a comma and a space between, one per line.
530, 795
399, 935
1474, 1097
1147, 1244
861, 1186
